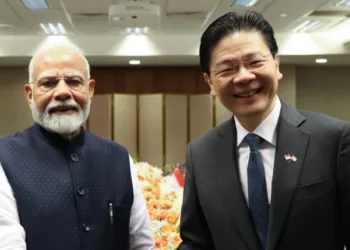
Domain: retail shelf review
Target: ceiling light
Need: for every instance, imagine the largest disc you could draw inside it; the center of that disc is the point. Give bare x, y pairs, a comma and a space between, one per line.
341, 31
5, 25
310, 25
283, 15
321, 60
36, 4
61, 28
244, 3
134, 62
343, 3
137, 30
53, 29
47, 31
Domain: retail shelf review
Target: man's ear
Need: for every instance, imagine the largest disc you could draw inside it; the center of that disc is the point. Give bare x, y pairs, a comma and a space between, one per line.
277, 60
91, 88
28, 91
209, 82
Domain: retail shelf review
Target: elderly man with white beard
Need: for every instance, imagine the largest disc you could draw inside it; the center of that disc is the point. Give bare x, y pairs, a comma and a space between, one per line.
62, 187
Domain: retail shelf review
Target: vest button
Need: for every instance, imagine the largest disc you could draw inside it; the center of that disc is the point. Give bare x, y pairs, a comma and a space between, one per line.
74, 157
86, 228
80, 191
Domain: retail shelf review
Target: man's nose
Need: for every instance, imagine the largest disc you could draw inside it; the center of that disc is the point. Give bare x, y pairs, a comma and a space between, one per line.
62, 91
243, 76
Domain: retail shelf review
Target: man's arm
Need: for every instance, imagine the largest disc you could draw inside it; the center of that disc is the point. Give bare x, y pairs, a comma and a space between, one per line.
344, 183
140, 229
12, 235
194, 230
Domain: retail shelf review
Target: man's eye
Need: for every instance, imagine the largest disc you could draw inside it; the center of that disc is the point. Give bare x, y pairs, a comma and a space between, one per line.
73, 82
49, 83
224, 70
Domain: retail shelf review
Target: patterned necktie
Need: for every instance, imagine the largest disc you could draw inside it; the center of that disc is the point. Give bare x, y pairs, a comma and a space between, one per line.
258, 201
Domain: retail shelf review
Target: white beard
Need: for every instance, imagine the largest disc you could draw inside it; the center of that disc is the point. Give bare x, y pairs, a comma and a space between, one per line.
61, 124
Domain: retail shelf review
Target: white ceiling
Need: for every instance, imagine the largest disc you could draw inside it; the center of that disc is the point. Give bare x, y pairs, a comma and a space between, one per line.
174, 35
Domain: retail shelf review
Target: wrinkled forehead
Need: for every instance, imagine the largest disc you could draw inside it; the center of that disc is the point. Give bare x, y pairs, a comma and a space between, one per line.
70, 73
59, 62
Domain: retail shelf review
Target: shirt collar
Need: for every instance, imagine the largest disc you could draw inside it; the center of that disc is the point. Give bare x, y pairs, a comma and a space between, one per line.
266, 129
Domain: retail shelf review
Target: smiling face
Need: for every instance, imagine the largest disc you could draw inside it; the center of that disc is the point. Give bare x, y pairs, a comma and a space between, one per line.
61, 92
244, 75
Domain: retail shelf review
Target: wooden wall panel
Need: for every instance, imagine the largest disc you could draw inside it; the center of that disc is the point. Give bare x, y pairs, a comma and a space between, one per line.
151, 131
175, 128
125, 122
221, 113
148, 80
201, 115
100, 119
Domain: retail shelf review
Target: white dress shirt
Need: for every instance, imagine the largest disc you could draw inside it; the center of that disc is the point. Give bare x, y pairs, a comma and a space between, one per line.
12, 235
267, 131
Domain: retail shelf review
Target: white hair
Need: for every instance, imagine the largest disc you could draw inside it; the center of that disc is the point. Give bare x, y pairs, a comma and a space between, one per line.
51, 47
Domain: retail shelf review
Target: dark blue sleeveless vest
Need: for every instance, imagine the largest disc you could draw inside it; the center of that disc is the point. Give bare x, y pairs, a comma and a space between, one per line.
71, 195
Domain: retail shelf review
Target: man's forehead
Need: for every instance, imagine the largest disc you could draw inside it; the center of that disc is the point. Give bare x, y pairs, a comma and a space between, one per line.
58, 57
45, 72
52, 73
54, 63
239, 43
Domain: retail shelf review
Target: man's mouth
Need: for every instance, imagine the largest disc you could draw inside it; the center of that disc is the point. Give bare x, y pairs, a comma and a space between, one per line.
248, 94
63, 109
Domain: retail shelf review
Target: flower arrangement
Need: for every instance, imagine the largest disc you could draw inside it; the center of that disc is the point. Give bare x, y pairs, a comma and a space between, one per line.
163, 196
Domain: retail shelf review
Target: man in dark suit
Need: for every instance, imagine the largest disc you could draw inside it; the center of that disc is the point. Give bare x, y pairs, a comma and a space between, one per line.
272, 177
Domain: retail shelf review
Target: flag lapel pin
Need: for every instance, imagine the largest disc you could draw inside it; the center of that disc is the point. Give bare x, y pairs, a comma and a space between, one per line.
290, 157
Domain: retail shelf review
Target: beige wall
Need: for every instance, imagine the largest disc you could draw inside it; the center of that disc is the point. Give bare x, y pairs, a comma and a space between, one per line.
100, 120
15, 114
201, 115
125, 122
324, 90
287, 86
150, 130
176, 134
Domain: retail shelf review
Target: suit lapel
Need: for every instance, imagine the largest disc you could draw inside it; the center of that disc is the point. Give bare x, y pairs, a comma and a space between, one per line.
230, 186
290, 140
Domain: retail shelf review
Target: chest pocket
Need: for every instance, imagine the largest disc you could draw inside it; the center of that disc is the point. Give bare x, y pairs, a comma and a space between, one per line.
311, 189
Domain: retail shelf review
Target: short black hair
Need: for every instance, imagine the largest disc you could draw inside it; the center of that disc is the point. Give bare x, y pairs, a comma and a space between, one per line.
233, 22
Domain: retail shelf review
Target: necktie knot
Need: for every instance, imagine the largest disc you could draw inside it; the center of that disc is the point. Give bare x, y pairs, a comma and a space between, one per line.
253, 141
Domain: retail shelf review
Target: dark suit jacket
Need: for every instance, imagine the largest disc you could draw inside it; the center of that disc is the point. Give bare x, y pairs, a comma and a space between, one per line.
310, 204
